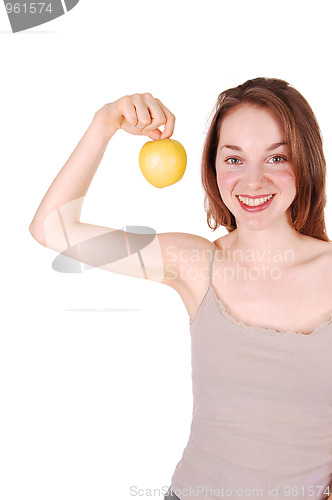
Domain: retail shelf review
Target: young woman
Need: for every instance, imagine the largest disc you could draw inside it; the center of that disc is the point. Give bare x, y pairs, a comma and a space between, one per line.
259, 298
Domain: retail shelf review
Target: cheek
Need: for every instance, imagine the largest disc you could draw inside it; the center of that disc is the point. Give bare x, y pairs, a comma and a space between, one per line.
226, 181
285, 179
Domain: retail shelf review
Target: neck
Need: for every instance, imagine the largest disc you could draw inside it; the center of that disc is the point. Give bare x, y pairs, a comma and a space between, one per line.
276, 243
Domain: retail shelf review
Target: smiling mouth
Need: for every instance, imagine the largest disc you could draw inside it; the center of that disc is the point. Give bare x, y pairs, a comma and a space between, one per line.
255, 201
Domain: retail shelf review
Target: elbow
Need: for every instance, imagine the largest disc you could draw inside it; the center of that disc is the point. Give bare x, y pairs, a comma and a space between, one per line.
37, 235
32, 231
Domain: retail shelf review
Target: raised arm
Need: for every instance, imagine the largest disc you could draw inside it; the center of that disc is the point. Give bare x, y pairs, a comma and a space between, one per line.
57, 223
139, 114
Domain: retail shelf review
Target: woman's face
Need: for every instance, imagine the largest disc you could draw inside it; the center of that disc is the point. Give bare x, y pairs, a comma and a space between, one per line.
252, 161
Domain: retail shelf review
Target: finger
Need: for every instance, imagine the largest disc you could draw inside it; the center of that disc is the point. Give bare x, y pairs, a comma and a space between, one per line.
170, 122
158, 117
128, 111
154, 134
142, 112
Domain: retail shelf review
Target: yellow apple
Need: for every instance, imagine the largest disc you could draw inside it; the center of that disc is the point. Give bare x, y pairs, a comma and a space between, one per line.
163, 162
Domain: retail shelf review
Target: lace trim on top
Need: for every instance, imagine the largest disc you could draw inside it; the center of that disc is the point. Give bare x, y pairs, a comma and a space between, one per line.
260, 329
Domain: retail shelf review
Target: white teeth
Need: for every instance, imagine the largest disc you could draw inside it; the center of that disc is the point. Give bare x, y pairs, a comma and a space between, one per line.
255, 202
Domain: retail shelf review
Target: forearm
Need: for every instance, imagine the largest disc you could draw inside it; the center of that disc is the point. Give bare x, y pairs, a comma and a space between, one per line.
67, 191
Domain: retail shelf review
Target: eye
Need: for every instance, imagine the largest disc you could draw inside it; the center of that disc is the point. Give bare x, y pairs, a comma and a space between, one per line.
279, 158
230, 161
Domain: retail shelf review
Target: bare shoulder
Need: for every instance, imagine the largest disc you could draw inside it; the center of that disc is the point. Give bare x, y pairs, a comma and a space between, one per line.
315, 260
186, 259
316, 249
322, 258
184, 256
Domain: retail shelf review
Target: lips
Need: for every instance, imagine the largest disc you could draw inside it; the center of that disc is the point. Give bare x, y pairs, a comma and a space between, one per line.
257, 208
254, 197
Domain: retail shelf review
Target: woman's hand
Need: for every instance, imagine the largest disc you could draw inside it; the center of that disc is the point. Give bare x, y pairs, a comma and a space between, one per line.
139, 114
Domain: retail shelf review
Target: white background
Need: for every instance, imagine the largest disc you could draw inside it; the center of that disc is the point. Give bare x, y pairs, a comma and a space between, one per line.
96, 399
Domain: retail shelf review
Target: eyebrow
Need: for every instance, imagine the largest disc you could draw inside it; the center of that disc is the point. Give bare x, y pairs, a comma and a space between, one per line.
273, 146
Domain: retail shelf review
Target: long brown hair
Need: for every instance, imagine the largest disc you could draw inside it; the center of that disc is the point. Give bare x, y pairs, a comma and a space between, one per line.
306, 147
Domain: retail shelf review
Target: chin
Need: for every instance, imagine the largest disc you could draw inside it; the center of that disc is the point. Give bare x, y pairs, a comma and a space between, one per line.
257, 226
254, 224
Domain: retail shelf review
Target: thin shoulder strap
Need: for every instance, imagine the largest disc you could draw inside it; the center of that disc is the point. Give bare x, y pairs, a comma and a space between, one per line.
211, 262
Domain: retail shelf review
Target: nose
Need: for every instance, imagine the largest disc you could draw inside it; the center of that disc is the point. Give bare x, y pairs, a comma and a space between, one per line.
254, 176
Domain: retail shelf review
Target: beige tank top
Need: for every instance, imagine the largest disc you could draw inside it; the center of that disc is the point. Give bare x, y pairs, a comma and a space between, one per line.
262, 410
